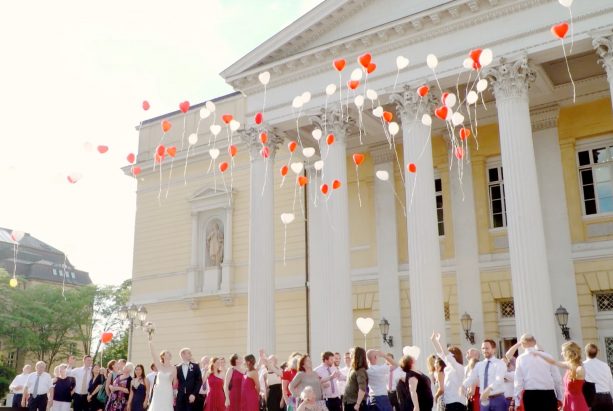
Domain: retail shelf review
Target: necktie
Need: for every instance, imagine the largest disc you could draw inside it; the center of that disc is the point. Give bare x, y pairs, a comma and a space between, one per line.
485, 378
35, 390
331, 381
84, 382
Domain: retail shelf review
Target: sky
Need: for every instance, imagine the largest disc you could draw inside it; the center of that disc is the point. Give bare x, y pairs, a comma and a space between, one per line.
74, 74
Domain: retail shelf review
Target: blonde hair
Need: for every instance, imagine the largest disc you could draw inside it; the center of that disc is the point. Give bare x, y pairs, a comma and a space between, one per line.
162, 355
572, 355
308, 392
430, 361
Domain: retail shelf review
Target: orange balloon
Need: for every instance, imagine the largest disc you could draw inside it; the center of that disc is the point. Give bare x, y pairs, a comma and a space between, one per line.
302, 181
464, 133
387, 116
371, 67
358, 158
226, 118
474, 56
330, 139
336, 184
166, 125
365, 59
223, 166
106, 337
353, 84
560, 30
232, 150
324, 189
136, 170
292, 146
284, 170
411, 167
263, 137
423, 91
171, 151
160, 150
258, 118
339, 64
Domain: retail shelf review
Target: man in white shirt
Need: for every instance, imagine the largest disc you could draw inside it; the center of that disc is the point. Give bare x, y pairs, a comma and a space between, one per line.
378, 380
82, 376
539, 381
18, 384
599, 373
36, 390
328, 373
489, 374
396, 375
344, 370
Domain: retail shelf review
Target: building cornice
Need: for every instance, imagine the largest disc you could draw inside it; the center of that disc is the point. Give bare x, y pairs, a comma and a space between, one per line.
544, 117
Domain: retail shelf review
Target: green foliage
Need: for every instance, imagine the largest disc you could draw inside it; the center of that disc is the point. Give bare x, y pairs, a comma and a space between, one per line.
117, 349
109, 300
6, 376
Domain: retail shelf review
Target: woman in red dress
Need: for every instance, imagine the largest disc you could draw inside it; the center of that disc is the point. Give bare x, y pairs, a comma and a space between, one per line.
232, 384
574, 377
216, 399
250, 388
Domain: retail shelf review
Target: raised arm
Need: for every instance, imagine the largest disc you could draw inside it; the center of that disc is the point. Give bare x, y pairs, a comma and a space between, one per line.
438, 347
154, 356
550, 360
511, 351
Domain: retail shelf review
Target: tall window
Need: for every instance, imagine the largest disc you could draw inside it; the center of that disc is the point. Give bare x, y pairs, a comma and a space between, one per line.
498, 207
596, 175
10, 359
438, 187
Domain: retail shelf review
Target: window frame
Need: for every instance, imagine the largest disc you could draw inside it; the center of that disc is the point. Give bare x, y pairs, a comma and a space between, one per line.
589, 146
496, 164
442, 208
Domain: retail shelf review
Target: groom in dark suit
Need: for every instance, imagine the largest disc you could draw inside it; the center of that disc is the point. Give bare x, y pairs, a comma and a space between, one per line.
190, 381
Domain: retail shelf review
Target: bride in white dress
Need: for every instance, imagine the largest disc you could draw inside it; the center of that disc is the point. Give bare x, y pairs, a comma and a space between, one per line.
163, 397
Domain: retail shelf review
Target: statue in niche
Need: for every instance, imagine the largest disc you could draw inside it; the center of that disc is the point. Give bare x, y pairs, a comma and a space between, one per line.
214, 244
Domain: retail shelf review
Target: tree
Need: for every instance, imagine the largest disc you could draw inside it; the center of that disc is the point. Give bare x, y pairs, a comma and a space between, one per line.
117, 349
107, 303
6, 376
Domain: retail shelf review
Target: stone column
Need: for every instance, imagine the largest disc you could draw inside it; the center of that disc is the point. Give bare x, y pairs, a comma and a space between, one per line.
466, 246
261, 331
555, 217
426, 289
604, 49
534, 310
329, 252
387, 246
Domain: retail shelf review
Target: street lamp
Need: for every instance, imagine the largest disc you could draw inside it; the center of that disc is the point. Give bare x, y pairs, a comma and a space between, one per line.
384, 327
137, 315
467, 322
562, 318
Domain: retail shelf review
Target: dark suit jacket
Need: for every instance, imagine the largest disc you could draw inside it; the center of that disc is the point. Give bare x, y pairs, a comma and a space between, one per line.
190, 385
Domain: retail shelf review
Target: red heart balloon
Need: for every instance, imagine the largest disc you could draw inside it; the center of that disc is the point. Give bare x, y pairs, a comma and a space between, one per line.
330, 139
324, 189
411, 167
166, 125
441, 112
265, 152
459, 152
371, 67
258, 118
474, 56
336, 184
223, 166
358, 158
226, 118
560, 30
263, 137
232, 150
339, 64
158, 158
302, 181
387, 116
184, 106
146, 105
136, 170
106, 337
364, 60
423, 91
103, 149
171, 151
284, 170
464, 133
131, 158
353, 84
292, 146
160, 150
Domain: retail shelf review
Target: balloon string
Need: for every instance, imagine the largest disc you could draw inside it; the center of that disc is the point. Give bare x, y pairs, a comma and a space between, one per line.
185, 168
265, 176
226, 189
316, 185
172, 162
15, 247
231, 174
329, 216
437, 82
284, 242
340, 93
572, 31
357, 175
396, 80
264, 103
398, 163
412, 193
302, 203
160, 190
183, 135
404, 210
294, 203
569, 74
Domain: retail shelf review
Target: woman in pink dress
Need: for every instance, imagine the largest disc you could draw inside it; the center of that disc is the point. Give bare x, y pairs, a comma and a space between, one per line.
233, 382
250, 388
574, 377
216, 399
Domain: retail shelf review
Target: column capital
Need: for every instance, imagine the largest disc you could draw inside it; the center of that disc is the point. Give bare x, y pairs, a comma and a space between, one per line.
604, 48
410, 105
251, 136
382, 153
334, 121
511, 78
544, 117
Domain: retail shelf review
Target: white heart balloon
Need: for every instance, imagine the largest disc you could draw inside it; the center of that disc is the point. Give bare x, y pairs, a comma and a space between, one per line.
215, 129
297, 102
204, 112
316, 133
382, 175
17, 235
481, 85
364, 324
318, 165
486, 57
74, 177
234, 125
393, 128
287, 218
306, 97
214, 153
210, 106
192, 139
330, 89
264, 77
412, 351
356, 74
468, 63
401, 62
457, 118
426, 120
432, 61
371, 94
359, 101
378, 112
450, 100
472, 97
88, 147
308, 152
566, 3
296, 167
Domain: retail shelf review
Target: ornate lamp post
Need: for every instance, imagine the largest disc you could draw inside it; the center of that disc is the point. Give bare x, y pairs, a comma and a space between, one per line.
137, 315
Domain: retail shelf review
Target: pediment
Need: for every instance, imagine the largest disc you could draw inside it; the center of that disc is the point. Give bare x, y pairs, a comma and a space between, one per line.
210, 198
207, 193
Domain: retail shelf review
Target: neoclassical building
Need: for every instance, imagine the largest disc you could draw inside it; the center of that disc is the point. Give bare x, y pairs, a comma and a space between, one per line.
523, 227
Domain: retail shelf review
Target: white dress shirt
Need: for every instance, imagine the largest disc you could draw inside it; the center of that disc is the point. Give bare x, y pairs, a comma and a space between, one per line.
378, 376
495, 376
20, 380
79, 374
397, 375
599, 373
342, 381
534, 373
454, 376
44, 383
185, 369
509, 384
330, 389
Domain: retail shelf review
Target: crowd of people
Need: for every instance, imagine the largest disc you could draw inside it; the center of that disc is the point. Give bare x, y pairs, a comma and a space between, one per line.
358, 380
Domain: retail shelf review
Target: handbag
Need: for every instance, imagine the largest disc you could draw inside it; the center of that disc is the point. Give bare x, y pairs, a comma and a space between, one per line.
101, 396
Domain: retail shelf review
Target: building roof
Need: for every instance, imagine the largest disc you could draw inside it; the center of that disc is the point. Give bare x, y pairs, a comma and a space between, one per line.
37, 260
